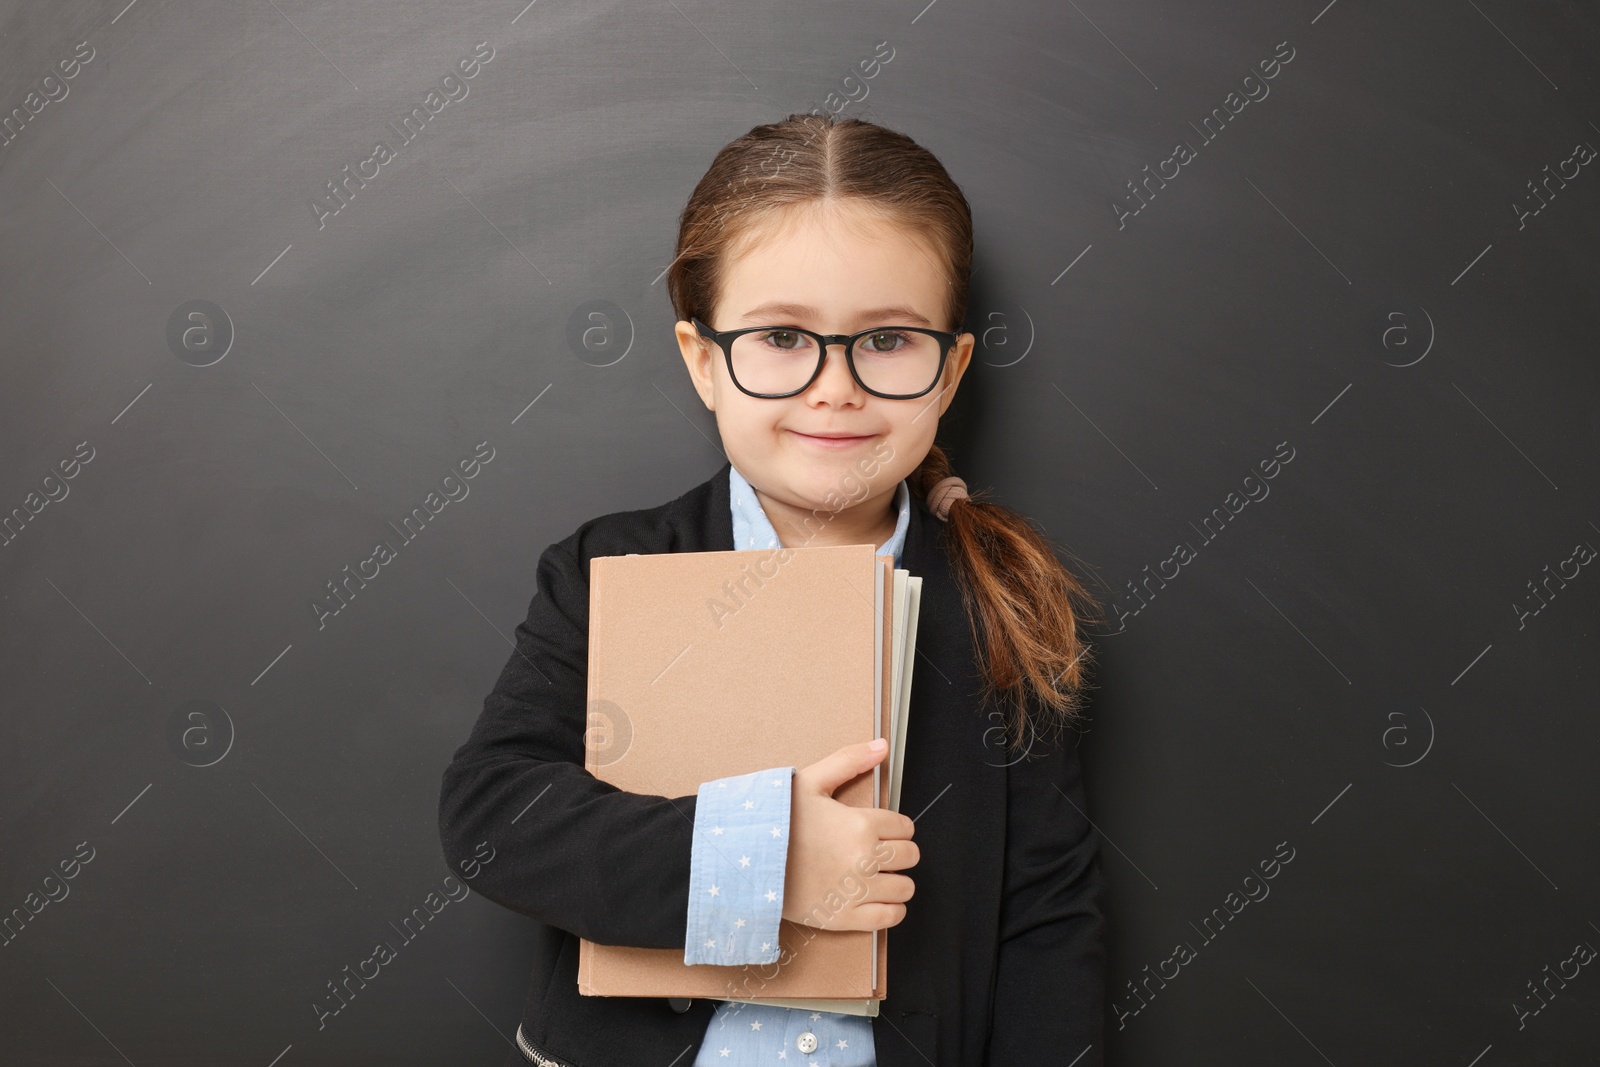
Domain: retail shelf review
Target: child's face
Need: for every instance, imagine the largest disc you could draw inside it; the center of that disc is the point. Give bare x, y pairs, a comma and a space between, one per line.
843, 263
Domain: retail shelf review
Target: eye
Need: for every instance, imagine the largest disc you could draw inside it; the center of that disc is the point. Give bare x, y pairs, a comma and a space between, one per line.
786, 340
884, 342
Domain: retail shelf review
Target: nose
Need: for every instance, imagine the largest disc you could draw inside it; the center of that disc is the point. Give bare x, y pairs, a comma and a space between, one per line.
835, 382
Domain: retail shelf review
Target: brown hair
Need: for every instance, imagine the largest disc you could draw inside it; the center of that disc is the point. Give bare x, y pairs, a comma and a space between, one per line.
1019, 598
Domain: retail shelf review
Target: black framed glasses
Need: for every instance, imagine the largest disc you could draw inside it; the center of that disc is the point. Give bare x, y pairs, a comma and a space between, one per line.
892, 362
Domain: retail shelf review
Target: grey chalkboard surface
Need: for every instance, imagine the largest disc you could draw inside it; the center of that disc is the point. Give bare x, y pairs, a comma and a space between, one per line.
1287, 318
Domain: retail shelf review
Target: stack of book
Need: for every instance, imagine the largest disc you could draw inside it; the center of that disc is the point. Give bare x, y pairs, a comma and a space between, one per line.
704, 665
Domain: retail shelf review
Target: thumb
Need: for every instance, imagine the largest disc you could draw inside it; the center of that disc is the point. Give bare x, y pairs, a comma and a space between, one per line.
832, 771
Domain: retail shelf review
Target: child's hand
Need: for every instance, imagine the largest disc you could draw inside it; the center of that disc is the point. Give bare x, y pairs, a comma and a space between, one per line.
839, 854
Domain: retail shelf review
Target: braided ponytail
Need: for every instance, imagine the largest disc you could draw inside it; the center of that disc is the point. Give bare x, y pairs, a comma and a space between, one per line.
1020, 600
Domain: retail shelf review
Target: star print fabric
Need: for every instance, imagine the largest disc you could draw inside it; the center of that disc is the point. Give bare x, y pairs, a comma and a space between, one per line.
736, 868
744, 1035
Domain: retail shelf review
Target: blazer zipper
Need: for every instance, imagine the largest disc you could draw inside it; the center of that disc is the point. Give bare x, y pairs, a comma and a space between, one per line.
533, 1055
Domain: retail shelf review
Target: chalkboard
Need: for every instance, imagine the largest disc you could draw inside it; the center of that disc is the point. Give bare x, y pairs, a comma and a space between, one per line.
1287, 324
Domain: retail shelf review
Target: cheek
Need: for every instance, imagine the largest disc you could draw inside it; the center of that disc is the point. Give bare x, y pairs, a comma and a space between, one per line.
911, 441
743, 418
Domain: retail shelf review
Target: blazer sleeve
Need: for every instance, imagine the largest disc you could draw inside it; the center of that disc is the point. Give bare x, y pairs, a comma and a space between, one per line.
1049, 998
568, 849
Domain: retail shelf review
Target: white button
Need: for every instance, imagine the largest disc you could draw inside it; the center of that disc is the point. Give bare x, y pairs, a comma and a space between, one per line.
806, 1042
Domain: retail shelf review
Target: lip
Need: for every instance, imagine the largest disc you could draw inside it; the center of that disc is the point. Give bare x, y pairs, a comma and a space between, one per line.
833, 442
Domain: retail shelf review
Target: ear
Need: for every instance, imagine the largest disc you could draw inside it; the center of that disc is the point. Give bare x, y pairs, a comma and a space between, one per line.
954, 367
698, 355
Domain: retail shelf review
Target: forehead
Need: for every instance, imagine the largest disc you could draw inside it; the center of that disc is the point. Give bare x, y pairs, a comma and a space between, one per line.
843, 260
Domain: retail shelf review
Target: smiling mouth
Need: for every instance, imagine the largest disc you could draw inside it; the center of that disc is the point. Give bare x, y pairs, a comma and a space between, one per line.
832, 442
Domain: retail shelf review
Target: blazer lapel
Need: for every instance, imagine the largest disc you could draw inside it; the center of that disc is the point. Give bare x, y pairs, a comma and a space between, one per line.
705, 515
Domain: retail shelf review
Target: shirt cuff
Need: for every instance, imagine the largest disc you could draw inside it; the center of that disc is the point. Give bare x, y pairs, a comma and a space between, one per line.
736, 868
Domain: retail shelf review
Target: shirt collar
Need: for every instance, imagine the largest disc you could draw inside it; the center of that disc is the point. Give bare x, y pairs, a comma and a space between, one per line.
752, 528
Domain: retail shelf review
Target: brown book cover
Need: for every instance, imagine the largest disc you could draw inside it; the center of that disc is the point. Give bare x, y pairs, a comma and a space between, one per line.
709, 664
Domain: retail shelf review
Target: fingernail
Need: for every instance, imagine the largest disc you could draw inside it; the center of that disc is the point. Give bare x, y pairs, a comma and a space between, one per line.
879, 745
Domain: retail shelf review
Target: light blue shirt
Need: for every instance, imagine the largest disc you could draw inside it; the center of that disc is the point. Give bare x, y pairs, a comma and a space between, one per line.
736, 874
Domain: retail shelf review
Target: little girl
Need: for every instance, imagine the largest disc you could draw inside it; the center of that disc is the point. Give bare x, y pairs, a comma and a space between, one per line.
820, 282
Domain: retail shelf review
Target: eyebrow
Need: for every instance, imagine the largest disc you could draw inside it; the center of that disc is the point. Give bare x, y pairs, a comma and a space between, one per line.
878, 316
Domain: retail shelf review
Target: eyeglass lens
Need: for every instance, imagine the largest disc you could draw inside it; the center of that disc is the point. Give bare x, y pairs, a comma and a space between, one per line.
888, 360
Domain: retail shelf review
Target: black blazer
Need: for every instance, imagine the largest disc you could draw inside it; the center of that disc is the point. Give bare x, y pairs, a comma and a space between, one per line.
1000, 958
